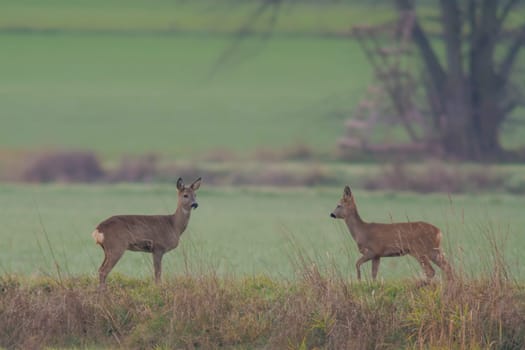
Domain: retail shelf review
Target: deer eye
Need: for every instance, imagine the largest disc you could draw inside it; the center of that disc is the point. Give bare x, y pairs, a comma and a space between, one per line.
185, 196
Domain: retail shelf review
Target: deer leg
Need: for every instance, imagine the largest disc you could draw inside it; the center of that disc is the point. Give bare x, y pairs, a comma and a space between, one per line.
102, 281
438, 258
375, 267
104, 262
425, 264
109, 262
101, 277
157, 265
366, 257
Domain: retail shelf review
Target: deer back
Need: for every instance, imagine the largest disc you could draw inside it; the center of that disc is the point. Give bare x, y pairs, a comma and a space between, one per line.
140, 232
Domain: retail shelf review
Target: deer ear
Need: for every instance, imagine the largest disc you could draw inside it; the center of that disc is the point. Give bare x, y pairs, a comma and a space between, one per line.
180, 184
196, 184
347, 192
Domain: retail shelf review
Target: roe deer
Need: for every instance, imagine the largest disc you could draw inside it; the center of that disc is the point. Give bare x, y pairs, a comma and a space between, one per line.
156, 234
376, 241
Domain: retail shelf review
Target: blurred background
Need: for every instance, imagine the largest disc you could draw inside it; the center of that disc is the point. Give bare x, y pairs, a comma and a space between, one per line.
104, 104
144, 90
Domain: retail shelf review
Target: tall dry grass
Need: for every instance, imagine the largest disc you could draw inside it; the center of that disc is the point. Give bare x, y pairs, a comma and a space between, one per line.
322, 308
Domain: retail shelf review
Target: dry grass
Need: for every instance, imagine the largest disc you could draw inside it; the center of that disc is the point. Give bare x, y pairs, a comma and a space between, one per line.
135, 169
435, 177
293, 166
84, 166
296, 152
257, 312
319, 309
63, 166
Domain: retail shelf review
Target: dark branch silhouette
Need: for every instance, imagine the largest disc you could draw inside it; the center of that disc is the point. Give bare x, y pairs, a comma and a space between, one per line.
246, 29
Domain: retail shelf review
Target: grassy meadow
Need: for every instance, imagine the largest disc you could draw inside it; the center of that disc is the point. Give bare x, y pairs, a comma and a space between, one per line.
257, 269
245, 231
72, 80
115, 94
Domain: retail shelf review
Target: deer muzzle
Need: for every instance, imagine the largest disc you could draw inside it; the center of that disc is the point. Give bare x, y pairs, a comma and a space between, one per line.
332, 215
195, 205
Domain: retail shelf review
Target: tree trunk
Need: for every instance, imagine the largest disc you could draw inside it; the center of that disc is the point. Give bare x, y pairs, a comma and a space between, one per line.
474, 137
488, 122
467, 92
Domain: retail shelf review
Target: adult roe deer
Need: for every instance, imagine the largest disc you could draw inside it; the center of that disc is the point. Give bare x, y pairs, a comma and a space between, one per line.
156, 234
375, 241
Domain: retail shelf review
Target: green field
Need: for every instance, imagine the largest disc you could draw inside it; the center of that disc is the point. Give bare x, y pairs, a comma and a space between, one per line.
72, 80
243, 231
119, 94
205, 16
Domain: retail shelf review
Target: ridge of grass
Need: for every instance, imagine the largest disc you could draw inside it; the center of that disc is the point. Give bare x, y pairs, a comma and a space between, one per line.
207, 311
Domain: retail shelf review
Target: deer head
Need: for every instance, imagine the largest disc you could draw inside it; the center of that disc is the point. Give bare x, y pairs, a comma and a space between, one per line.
187, 195
346, 205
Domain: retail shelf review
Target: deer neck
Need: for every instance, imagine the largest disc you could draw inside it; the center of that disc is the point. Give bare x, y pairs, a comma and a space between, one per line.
356, 225
181, 219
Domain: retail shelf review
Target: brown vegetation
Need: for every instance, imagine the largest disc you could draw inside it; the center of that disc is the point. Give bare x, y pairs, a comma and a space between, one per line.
135, 169
319, 309
299, 152
435, 177
292, 167
274, 176
84, 166
71, 166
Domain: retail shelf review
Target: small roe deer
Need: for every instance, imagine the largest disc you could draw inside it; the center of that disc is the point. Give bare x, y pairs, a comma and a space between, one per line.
376, 241
156, 234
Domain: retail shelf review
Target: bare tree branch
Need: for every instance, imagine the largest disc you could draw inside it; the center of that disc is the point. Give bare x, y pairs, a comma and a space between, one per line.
245, 29
472, 14
429, 55
505, 12
489, 17
512, 53
452, 27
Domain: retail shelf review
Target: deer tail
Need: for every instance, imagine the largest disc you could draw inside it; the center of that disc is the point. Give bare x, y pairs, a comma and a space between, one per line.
98, 236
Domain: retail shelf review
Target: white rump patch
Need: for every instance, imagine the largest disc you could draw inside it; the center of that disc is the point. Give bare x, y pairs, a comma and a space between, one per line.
98, 237
439, 235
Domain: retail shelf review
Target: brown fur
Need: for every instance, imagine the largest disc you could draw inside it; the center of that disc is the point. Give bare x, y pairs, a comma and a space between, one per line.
375, 240
156, 234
